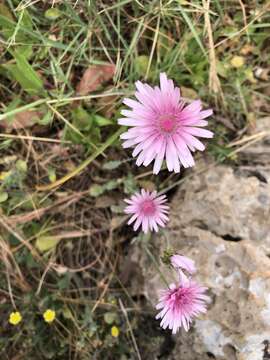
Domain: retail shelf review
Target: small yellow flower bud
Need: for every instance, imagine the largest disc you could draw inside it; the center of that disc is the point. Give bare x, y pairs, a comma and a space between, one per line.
115, 331
49, 315
15, 318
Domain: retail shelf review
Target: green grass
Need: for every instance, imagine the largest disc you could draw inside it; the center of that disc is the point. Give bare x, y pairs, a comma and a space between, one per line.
63, 174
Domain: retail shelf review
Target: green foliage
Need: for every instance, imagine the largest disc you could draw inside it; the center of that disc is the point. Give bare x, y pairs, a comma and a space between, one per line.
97, 190
24, 73
15, 176
111, 165
88, 126
130, 184
17, 31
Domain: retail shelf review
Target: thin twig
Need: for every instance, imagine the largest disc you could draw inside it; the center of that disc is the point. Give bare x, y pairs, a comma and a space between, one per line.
257, 136
156, 264
241, 148
36, 138
130, 329
214, 83
43, 277
244, 14
153, 48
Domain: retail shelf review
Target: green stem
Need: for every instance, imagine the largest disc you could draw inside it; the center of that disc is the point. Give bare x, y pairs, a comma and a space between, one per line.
156, 264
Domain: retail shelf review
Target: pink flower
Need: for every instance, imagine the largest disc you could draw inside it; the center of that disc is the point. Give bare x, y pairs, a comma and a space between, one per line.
163, 126
148, 210
183, 263
180, 304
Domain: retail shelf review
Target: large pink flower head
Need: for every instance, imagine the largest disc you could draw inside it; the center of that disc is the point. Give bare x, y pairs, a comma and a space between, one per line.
147, 209
180, 303
163, 126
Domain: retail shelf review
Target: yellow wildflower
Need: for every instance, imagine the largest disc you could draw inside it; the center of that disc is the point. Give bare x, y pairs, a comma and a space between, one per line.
237, 61
15, 318
49, 315
4, 175
115, 331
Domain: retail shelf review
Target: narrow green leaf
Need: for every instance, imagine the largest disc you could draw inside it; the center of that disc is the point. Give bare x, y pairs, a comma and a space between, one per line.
46, 119
82, 120
7, 25
101, 121
12, 31
192, 29
26, 76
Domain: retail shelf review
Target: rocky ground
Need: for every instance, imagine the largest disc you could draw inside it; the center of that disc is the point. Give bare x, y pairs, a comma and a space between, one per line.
221, 219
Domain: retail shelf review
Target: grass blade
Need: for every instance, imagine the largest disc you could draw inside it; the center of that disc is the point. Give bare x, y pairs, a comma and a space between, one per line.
192, 29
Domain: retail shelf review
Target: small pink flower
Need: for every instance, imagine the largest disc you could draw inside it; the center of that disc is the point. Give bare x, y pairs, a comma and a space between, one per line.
163, 126
180, 304
183, 263
148, 210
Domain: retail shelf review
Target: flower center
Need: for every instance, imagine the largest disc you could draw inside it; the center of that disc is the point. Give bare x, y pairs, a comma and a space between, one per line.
167, 123
148, 207
183, 296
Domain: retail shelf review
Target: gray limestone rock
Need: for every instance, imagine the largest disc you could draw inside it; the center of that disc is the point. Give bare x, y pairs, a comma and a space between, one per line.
221, 219
227, 203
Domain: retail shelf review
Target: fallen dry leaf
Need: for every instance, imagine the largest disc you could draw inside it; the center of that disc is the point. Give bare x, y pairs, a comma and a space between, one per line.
93, 77
21, 120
